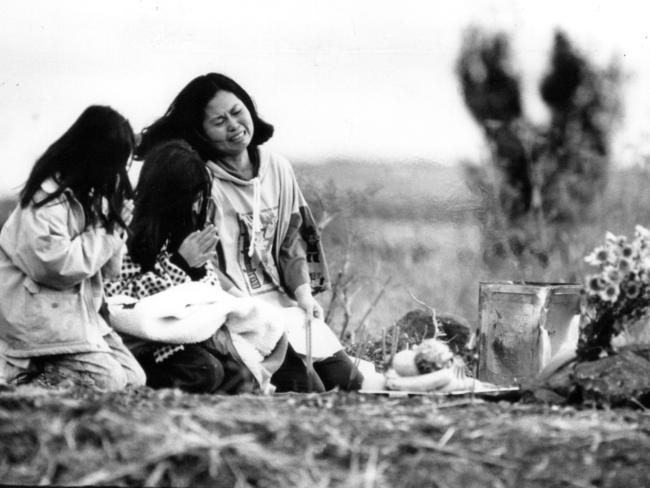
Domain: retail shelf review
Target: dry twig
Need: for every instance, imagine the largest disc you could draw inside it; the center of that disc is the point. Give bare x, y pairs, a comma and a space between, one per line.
465, 455
114, 473
434, 316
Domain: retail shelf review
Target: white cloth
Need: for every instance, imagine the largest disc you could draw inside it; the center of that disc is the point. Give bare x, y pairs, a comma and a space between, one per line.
194, 311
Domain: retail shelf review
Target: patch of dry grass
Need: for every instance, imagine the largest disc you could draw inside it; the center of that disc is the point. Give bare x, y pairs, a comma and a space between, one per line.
167, 438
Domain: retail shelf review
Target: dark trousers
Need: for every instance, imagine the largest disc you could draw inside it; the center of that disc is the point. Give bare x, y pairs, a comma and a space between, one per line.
198, 368
335, 371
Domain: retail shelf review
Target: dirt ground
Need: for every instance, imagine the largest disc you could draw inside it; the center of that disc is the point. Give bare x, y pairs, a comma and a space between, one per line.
167, 438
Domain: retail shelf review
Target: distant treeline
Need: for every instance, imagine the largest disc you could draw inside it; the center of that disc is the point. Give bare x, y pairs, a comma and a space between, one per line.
424, 192
419, 190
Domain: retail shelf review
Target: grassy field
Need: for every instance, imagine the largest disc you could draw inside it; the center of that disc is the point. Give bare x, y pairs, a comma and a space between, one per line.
144, 437
416, 224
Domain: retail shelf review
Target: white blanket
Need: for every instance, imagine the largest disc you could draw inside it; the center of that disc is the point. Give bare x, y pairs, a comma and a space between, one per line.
194, 311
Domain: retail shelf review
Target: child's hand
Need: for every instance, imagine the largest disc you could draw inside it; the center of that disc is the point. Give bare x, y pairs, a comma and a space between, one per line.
127, 212
199, 247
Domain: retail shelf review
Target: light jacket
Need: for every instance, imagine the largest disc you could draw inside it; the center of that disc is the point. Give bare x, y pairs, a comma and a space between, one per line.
51, 279
268, 240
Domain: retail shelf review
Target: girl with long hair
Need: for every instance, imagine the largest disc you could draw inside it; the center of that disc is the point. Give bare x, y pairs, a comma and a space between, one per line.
173, 242
67, 231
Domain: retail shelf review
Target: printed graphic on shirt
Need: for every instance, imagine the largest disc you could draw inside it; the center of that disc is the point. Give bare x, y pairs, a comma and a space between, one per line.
259, 269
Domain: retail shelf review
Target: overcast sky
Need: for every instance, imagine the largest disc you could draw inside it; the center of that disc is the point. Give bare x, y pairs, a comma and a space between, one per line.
365, 79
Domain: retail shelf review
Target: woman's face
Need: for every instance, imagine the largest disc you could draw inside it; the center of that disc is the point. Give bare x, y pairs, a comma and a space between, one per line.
228, 124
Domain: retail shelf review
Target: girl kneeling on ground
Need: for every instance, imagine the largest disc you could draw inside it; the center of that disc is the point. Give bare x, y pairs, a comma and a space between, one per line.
68, 229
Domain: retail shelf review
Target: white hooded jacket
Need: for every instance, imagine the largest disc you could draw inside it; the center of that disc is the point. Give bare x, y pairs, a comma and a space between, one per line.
268, 241
51, 279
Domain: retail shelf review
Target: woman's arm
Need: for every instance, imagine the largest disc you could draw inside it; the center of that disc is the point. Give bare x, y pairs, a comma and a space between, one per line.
300, 255
292, 256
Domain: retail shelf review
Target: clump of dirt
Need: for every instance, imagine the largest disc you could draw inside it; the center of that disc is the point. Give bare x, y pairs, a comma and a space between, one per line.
618, 379
168, 438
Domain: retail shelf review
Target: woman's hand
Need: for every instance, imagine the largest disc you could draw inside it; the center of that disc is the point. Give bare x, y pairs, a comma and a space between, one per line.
308, 303
199, 247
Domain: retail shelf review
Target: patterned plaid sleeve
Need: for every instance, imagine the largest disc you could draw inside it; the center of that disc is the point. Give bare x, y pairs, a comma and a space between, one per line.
120, 285
211, 276
136, 283
175, 274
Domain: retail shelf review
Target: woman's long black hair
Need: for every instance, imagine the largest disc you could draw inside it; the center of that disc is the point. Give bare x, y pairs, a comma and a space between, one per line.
184, 118
173, 176
89, 159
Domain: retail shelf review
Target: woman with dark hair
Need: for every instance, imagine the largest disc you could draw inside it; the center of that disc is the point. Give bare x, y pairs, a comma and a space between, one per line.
185, 117
269, 246
67, 231
172, 243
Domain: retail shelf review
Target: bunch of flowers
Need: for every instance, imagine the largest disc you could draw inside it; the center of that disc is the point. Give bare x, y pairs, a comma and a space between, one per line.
617, 294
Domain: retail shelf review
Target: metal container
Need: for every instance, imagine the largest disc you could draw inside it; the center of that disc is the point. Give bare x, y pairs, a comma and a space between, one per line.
518, 323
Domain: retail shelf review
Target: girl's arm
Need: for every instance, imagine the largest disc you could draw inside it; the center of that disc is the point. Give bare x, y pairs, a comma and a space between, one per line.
49, 254
300, 257
112, 269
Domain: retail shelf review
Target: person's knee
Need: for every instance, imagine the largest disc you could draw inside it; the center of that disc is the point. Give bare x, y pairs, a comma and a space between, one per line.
94, 370
213, 378
112, 376
136, 375
339, 371
119, 374
109, 379
125, 360
197, 371
115, 380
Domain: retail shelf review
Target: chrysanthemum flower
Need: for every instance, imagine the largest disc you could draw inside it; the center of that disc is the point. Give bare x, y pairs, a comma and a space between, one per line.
616, 240
610, 293
625, 265
627, 251
632, 290
613, 275
598, 256
641, 232
595, 284
634, 275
